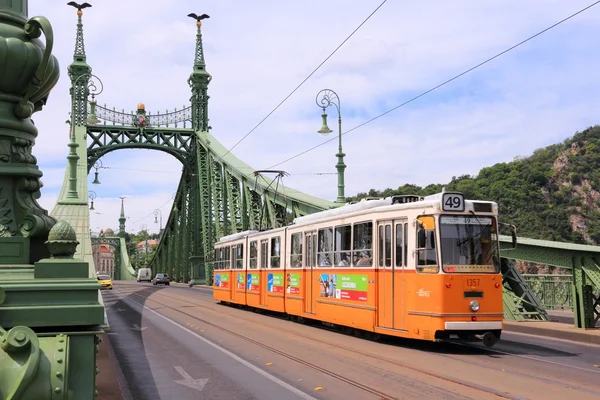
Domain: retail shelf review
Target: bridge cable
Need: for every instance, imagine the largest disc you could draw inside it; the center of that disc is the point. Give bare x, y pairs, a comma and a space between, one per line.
440, 85
307, 78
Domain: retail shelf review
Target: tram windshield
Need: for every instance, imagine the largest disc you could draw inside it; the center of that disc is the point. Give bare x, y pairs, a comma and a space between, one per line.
469, 244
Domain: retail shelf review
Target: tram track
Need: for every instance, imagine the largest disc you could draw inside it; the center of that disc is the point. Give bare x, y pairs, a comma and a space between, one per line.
371, 390
472, 346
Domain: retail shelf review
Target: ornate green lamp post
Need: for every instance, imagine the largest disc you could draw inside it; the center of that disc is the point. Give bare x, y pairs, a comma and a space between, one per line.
326, 98
92, 197
158, 213
50, 314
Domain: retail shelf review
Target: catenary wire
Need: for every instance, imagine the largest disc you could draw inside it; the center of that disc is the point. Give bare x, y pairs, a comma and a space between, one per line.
305, 79
440, 85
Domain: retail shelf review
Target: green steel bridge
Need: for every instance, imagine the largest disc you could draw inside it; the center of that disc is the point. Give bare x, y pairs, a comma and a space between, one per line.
47, 266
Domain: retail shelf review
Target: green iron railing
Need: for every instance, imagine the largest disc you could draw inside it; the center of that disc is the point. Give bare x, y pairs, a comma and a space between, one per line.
553, 290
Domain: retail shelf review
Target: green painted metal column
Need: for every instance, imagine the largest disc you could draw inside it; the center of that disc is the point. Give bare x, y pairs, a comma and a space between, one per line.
50, 314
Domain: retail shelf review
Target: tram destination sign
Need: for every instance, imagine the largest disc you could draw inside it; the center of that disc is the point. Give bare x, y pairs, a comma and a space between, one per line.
453, 202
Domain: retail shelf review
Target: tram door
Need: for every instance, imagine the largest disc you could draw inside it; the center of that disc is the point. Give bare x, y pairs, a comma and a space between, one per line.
391, 256
309, 276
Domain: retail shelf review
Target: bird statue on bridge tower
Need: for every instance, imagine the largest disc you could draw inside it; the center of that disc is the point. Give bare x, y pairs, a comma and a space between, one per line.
79, 7
198, 18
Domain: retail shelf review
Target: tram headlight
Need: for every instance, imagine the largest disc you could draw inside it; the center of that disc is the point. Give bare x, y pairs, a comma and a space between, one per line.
474, 305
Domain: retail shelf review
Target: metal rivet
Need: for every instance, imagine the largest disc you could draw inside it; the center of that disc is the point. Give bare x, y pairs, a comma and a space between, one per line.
20, 336
60, 360
61, 349
57, 390
59, 374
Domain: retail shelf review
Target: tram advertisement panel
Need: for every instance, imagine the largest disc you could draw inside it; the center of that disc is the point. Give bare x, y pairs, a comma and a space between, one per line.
222, 280
253, 281
240, 281
293, 284
275, 283
344, 286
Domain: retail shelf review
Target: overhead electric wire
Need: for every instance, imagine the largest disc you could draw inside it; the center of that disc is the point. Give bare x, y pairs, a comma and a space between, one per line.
440, 85
305, 79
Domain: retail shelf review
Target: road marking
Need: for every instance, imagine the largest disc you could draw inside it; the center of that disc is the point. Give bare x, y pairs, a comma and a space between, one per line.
136, 327
253, 367
190, 382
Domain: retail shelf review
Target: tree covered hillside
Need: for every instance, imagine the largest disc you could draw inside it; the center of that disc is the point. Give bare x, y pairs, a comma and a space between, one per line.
553, 194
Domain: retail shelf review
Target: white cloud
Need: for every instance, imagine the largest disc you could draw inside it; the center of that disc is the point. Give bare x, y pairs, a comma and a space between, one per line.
258, 52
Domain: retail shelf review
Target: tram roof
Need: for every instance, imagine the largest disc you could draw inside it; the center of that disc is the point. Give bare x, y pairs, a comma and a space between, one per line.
237, 235
364, 204
403, 201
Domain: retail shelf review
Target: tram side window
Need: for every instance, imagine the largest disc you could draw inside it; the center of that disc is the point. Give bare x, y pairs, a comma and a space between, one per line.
217, 260
226, 258
343, 246
239, 256
296, 251
275, 252
405, 244
426, 248
264, 253
253, 254
402, 245
325, 247
362, 244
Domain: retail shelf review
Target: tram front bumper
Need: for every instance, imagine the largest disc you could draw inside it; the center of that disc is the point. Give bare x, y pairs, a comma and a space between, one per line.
473, 325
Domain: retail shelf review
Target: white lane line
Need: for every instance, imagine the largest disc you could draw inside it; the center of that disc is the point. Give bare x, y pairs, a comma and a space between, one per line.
253, 367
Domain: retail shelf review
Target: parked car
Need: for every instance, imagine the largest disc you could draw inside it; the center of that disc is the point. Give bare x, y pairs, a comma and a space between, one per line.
161, 278
144, 274
105, 282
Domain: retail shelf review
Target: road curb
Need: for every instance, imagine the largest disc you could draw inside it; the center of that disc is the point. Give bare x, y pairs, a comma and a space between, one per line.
567, 333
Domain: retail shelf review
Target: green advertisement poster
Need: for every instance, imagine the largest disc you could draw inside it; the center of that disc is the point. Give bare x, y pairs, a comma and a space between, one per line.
222, 280
275, 283
344, 286
293, 284
241, 281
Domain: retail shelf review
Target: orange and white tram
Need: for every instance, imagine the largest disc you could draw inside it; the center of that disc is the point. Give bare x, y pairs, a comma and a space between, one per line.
416, 267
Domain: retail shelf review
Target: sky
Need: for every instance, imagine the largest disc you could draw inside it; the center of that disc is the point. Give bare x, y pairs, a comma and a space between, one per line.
258, 52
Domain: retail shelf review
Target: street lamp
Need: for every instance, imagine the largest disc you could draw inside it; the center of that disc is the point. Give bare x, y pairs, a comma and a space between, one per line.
324, 99
97, 166
92, 196
158, 213
91, 86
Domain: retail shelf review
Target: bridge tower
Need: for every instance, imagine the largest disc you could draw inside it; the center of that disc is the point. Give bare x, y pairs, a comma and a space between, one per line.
122, 219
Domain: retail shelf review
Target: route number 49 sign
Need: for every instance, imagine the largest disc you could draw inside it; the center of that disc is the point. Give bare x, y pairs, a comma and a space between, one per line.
453, 202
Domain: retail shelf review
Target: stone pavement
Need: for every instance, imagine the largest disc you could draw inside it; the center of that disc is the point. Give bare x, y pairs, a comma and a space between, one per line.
107, 380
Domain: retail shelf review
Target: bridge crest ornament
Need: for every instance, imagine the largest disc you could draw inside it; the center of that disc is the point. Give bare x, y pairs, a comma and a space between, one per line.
141, 120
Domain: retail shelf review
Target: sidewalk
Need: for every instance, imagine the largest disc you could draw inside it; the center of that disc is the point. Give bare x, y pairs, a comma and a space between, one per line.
560, 327
107, 381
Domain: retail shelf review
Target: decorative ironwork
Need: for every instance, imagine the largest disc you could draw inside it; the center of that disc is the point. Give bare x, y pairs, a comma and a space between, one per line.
553, 290
83, 86
168, 119
105, 139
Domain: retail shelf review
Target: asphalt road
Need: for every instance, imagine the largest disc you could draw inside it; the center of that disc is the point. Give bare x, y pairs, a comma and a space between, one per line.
245, 355
159, 360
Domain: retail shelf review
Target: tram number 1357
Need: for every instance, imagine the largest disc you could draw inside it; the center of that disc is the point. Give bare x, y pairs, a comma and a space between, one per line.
453, 202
